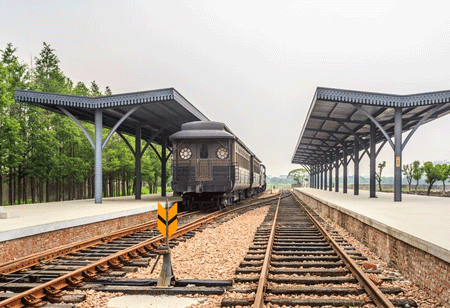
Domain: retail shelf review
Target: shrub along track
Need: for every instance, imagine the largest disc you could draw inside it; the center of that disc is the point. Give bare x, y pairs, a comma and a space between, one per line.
296, 261
42, 276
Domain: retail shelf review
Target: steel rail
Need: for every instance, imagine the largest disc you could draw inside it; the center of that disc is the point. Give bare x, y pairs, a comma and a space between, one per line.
74, 278
37, 258
259, 296
374, 292
49, 254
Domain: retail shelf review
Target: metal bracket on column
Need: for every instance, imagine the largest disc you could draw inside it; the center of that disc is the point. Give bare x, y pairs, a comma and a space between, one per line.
153, 138
351, 131
375, 122
306, 168
429, 114
351, 158
380, 147
123, 118
67, 113
127, 143
154, 149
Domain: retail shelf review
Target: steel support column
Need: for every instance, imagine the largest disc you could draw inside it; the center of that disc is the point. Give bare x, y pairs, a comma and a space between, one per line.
373, 159
316, 181
163, 166
98, 156
318, 176
398, 154
330, 172
336, 172
356, 168
314, 177
137, 163
344, 168
321, 176
325, 175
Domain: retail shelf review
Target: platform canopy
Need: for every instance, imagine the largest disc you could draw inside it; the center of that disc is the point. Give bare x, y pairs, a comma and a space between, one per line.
149, 115
341, 123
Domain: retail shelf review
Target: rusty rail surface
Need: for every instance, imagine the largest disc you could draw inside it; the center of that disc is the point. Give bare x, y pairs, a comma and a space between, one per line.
374, 292
37, 258
259, 296
33, 297
49, 254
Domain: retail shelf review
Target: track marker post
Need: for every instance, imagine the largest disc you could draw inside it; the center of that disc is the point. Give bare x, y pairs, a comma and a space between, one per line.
167, 225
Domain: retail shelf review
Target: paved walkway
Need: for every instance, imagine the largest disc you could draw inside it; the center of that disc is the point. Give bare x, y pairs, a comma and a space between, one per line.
43, 217
419, 220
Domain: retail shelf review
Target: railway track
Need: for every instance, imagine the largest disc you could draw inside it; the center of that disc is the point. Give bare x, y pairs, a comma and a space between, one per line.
34, 280
297, 260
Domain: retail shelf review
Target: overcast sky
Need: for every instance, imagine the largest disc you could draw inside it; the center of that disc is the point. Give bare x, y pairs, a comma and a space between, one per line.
253, 65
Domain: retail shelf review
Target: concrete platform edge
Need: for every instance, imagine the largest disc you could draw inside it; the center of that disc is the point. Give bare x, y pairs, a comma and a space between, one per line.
33, 230
416, 242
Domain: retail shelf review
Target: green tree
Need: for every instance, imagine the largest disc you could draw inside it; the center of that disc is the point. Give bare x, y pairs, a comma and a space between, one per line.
407, 171
47, 75
39, 147
444, 172
95, 90
80, 89
298, 175
14, 75
381, 166
417, 172
108, 91
432, 174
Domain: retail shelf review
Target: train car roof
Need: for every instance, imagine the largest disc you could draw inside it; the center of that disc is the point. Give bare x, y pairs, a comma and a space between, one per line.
208, 129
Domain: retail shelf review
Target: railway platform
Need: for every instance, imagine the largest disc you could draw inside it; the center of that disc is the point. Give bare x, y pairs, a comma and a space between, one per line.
32, 219
37, 227
420, 221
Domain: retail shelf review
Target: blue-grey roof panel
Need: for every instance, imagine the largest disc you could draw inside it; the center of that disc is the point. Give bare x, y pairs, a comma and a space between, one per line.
334, 117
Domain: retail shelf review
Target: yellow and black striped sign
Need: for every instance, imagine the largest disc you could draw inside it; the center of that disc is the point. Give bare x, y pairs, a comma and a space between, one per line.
170, 216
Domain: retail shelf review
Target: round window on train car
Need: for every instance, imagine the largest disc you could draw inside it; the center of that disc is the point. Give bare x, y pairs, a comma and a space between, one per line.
185, 153
222, 153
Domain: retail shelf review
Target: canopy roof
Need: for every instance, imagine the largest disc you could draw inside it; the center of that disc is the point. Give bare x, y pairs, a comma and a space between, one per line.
336, 115
164, 109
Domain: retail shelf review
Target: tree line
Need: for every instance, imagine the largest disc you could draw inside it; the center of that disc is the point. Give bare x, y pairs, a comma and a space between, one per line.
433, 173
413, 171
44, 155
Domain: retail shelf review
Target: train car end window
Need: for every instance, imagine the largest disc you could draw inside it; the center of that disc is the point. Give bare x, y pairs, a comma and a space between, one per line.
204, 151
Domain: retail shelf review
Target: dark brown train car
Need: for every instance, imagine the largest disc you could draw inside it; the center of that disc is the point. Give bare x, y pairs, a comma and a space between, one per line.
211, 165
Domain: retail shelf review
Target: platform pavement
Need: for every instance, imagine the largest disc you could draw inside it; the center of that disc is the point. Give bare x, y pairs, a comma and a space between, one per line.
421, 221
50, 216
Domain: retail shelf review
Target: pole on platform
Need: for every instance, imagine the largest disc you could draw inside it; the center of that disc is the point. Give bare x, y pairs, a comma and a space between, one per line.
321, 176
163, 166
344, 168
98, 180
356, 168
137, 164
330, 172
336, 172
398, 154
373, 158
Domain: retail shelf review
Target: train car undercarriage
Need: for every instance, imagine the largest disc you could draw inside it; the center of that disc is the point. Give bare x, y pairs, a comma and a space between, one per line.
204, 201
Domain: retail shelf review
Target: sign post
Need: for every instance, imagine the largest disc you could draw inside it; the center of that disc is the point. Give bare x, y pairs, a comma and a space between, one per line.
167, 225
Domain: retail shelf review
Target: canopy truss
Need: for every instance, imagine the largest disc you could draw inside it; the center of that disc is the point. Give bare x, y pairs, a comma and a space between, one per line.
341, 123
150, 115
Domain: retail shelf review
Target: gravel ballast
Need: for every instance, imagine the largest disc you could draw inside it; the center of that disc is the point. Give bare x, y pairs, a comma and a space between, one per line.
214, 253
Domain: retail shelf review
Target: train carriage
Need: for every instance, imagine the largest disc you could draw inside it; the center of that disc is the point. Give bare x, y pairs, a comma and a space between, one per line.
211, 165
